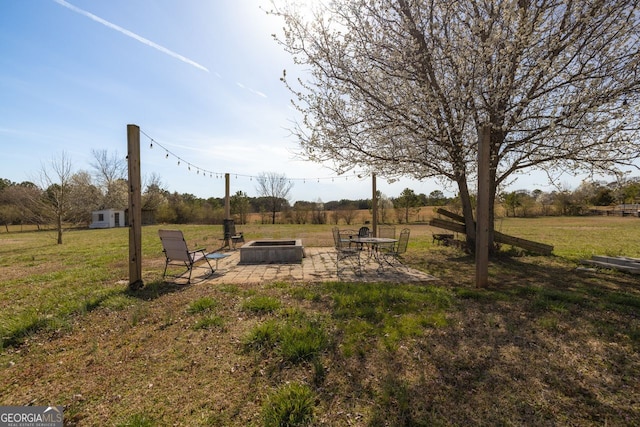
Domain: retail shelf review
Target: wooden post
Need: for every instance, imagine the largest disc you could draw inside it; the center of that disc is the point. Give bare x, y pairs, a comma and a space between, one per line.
227, 212
482, 211
227, 197
374, 206
135, 207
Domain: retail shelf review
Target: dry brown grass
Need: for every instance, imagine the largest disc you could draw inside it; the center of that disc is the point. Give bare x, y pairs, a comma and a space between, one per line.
544, 345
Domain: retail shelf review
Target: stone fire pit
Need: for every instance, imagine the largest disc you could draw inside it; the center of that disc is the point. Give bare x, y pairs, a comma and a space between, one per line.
279, 251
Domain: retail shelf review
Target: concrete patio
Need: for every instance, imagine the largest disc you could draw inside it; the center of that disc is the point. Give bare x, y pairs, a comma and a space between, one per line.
318, 265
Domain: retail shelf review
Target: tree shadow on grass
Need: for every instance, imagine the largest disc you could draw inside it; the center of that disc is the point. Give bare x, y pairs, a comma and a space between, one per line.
543, 344
156, 289
173, 282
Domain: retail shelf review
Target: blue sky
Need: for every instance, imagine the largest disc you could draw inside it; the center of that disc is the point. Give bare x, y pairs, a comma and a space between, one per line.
200, 78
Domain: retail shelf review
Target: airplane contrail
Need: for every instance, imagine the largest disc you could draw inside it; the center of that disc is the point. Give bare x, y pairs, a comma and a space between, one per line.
131, 34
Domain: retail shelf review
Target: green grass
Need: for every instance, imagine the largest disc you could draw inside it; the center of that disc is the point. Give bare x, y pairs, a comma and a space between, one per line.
577, 238
209, 321
261, 304
262, 337
292, 340
138, 420
290, 406
201, 305
543, 345
392, 313
302, 341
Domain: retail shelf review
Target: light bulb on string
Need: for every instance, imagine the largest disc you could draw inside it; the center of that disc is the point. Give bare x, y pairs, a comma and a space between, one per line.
151, 145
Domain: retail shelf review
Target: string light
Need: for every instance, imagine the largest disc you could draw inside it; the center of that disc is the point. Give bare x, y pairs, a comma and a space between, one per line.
205, 172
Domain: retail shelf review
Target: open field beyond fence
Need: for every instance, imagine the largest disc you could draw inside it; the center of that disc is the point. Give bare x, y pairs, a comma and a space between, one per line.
545, 344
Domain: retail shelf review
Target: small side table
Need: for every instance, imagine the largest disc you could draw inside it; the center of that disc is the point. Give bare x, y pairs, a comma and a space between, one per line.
217, 256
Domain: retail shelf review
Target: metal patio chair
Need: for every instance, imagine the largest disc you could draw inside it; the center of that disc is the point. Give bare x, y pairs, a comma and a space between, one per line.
392, 254
345, 252
177, 253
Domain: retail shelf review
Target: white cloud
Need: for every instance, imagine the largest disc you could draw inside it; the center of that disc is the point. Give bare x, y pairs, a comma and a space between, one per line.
131, 34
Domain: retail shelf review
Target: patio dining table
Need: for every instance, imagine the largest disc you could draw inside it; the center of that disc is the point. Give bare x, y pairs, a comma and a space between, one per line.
373, 244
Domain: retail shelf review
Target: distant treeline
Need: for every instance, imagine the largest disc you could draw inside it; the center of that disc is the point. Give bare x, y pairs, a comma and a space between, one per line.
73, 200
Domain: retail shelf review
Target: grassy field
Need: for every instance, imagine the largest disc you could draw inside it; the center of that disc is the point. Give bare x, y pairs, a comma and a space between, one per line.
545, 344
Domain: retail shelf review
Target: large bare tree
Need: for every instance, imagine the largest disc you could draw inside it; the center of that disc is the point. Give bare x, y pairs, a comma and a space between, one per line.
275, 188
110, 171
405, 87
56, 181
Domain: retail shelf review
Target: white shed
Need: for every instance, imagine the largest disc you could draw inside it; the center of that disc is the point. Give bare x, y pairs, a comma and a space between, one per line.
107, 218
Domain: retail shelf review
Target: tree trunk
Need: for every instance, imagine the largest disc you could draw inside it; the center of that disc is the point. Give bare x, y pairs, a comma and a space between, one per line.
59, 227
467, 212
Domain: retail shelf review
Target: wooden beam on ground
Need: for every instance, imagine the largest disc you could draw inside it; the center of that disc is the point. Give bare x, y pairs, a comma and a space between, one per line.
539, 248
629, 265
